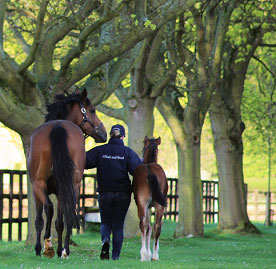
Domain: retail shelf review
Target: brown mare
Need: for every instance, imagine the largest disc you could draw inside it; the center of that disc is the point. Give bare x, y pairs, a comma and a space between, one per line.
150, 189
55, 164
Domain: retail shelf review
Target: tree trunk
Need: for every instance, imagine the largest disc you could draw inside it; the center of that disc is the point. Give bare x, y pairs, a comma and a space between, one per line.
140, 123
187, 138
229, 154
190, 219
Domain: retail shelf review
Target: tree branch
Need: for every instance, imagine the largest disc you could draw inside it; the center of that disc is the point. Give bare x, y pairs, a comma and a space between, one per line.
126, 42
112, 112
154, 53
264, 65
56, 33
185, 56
19, 37
85, 33
3, 6
267, 45
122, 94
140, 68
9, 76
22, 119
174, 122
163, 82
201, 42
40, 19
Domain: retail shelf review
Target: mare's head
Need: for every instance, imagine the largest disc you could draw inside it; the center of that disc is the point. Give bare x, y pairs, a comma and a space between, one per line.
150, 149
77, 108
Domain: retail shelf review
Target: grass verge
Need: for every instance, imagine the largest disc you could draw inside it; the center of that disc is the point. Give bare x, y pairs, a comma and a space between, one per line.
214, 250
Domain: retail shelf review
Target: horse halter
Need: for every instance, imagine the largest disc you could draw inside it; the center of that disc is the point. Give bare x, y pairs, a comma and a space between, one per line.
85, 119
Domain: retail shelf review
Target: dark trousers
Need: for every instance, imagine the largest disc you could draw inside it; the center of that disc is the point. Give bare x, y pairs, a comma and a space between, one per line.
113, 209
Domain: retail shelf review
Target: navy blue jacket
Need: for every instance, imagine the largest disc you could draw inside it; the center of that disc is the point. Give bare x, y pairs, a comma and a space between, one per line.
113, 161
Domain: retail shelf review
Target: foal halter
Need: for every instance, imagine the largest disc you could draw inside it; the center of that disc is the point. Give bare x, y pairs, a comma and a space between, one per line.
85, 119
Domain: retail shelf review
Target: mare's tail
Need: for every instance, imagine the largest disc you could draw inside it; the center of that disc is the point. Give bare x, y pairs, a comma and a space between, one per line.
63, 168
157, 195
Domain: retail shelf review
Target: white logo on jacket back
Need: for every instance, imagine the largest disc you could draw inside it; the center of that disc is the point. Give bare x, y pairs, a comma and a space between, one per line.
113, 157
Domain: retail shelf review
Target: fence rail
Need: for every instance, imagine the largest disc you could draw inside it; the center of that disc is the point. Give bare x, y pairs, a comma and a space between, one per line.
13, 190
14, 202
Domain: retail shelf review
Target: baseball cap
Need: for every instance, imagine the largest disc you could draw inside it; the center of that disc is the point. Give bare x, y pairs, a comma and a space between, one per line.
118, 130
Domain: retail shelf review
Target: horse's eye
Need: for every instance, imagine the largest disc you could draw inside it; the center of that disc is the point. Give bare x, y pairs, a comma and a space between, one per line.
93, 111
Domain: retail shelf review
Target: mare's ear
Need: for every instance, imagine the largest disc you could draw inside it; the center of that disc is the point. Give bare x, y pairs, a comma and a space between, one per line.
84, 94
77, 90
145, 139
158, 140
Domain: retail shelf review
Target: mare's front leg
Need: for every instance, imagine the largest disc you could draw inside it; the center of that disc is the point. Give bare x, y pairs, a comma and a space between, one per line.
48, 247
59, 228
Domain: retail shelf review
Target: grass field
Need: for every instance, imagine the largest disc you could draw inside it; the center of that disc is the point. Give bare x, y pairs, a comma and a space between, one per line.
214, 250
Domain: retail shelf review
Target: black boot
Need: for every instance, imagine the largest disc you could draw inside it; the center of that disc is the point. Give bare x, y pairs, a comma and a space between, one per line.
105, 251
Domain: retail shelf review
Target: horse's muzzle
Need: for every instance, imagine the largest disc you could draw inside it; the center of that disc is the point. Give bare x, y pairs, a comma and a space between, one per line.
100, 137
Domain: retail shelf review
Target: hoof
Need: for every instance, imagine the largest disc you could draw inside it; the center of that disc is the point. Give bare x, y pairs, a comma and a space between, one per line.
64, 254
155, 257
48, 249
145, 257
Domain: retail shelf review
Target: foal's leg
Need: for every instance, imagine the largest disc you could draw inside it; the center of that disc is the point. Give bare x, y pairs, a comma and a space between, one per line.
38, 224
59, 228
159, 212
143, 227
48, 247
148, 236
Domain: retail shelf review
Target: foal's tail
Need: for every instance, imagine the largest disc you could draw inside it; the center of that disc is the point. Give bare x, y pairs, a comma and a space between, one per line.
157, 195
63, 168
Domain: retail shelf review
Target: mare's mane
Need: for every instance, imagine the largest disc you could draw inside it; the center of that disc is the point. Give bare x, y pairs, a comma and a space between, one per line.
59, 109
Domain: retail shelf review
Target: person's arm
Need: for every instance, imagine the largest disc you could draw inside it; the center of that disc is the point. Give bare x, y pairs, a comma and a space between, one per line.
91, 158
133, 161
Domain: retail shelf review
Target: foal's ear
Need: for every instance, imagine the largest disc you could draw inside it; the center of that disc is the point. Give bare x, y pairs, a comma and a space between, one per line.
84, 94
158, 140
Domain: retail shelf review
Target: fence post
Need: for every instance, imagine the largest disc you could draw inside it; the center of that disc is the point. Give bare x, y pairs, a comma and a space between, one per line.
1, 203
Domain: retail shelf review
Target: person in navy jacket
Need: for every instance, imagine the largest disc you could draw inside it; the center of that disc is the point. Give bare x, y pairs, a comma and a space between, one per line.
114, 161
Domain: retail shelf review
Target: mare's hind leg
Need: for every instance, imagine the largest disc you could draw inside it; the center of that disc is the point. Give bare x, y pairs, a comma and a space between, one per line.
38, 224
59, 228
66, 251
159, 212
48, 247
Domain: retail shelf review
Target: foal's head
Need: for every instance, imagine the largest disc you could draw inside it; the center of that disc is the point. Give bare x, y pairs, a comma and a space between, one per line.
150, 149
77, 108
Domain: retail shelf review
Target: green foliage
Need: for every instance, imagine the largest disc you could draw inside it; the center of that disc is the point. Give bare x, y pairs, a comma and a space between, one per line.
134, 20
148, 23
245, 19
258, 113
214, 250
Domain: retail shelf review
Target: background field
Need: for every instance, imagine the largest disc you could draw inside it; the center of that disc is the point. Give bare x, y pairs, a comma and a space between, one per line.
214, 250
